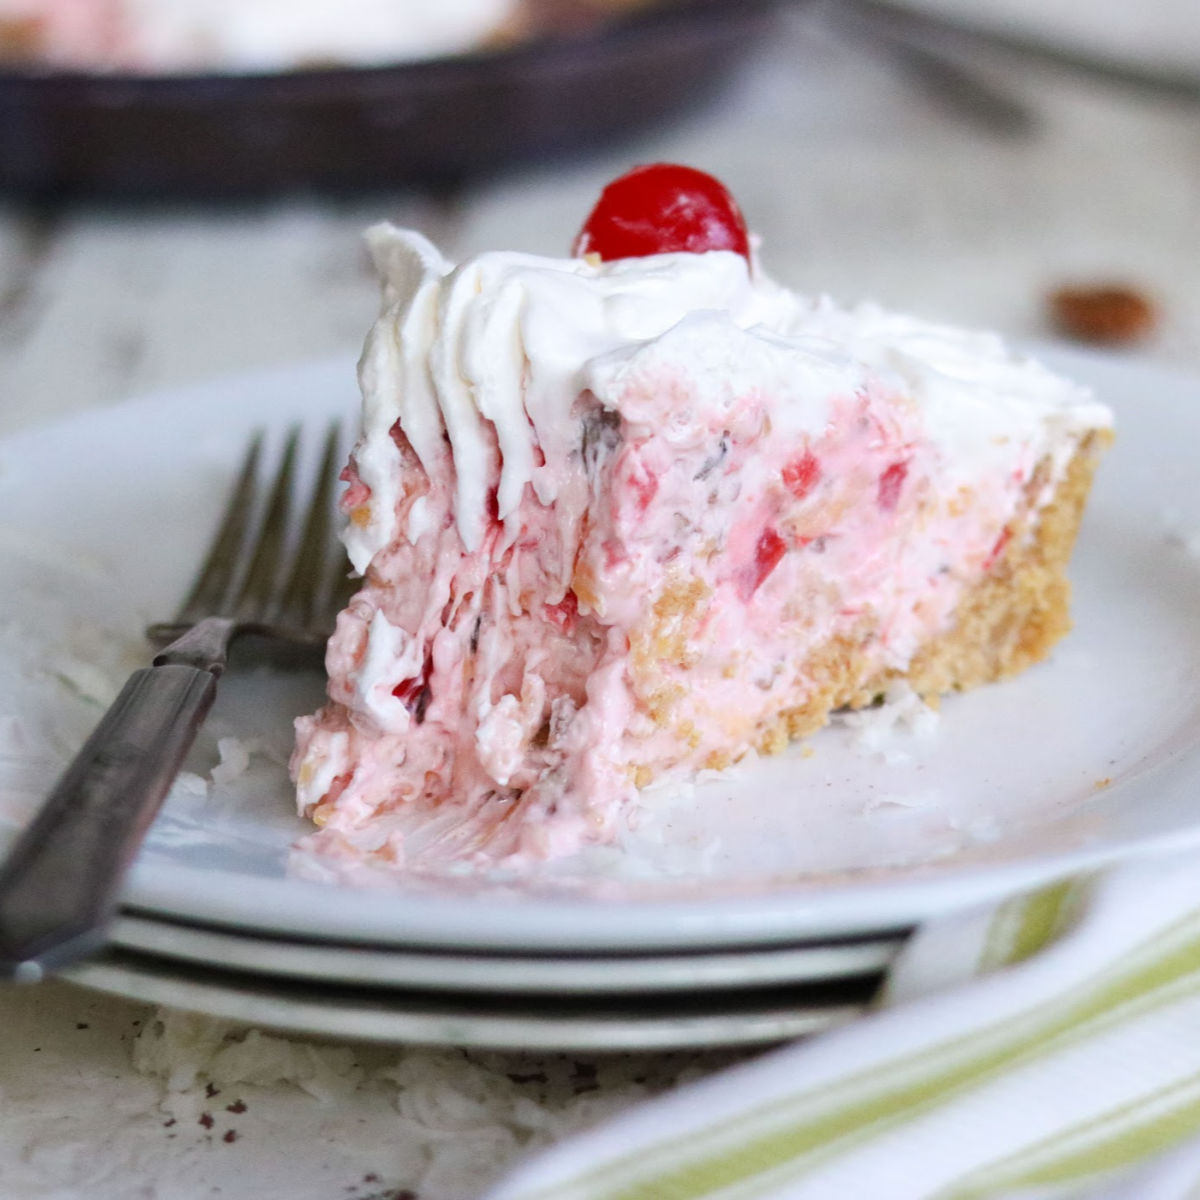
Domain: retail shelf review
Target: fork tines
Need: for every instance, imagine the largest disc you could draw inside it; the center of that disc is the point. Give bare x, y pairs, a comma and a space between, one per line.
268, 573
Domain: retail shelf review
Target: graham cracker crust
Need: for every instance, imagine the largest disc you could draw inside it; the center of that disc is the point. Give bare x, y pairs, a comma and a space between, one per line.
1014, 616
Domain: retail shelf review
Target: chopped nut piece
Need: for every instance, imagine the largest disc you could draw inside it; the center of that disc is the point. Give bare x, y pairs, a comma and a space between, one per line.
20, 39
1109, 313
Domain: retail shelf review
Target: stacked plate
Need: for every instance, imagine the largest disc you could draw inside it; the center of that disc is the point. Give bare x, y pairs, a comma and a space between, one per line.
563, 1001
763, 904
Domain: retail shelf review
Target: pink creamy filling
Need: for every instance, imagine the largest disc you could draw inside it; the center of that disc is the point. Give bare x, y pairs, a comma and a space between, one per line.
489, 697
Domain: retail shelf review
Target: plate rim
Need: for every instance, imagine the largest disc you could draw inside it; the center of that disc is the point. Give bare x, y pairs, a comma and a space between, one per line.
358, 1015
438, 970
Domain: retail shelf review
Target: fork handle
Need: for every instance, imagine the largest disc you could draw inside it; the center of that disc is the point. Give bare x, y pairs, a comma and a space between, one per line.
60, 882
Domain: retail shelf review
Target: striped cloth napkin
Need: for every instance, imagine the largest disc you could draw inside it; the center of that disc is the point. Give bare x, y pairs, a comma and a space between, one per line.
1045, 1047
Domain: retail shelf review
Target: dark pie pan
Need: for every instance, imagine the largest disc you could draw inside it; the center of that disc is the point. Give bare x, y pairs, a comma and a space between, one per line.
434, 122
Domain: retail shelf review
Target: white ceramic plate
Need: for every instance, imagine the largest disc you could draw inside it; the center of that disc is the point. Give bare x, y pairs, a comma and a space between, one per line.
1089, 757
556, 975
503, 1023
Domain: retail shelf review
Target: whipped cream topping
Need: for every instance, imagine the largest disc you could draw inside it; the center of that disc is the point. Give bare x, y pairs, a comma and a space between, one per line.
492, 354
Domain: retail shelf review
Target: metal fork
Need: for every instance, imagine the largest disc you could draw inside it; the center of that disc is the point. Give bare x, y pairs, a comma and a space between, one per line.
60, 883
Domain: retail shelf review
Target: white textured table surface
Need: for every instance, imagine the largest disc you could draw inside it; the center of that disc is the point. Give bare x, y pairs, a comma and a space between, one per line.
861, 184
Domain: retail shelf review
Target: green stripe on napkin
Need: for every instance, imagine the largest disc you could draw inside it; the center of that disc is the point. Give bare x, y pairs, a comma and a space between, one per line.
1022, 927
759, 1150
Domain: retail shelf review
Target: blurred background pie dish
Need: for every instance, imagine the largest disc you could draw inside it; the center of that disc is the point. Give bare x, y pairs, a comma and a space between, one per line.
152, 98
202, 99
156, 37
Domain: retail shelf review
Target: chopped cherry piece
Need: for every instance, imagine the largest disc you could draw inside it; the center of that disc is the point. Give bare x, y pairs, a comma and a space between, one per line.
661, 209
407, 690
645, 488
890, 483
357, 493
767, 555
398, 436
802, 474
635, 474
563, 614
998, 549
337, 786
414, 693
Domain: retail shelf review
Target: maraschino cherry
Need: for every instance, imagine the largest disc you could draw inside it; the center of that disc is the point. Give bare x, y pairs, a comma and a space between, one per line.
661, 209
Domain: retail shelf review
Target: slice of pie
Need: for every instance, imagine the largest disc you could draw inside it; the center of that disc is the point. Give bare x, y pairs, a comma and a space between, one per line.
642, 511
